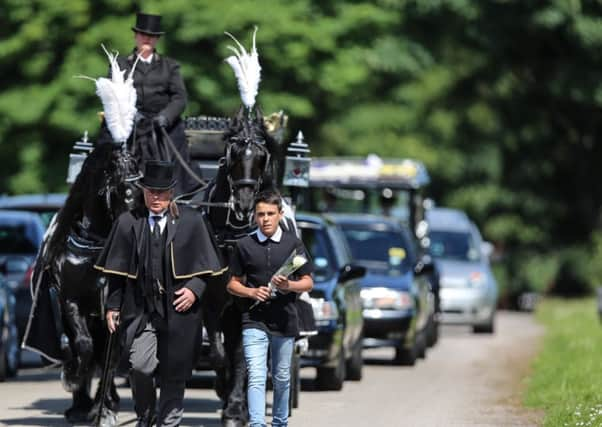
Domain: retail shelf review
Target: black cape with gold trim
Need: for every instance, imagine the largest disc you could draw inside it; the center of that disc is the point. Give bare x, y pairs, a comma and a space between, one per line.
190, 256
192, 250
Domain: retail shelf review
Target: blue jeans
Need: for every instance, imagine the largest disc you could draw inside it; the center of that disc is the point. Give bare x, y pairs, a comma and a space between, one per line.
256, 343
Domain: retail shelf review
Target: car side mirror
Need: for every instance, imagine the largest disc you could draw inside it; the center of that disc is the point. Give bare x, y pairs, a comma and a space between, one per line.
487, 249
425, 265
351, 272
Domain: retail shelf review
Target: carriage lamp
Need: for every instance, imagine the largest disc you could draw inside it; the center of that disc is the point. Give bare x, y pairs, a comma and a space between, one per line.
297, 162
81, 149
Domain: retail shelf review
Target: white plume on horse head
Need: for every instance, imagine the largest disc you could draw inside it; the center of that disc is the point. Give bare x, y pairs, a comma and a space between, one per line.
118, 97
246, 69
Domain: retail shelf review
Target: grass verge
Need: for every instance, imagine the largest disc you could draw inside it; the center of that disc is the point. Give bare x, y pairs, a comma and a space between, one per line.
566, 381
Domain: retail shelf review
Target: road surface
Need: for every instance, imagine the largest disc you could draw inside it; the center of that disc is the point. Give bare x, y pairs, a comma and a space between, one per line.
465, 380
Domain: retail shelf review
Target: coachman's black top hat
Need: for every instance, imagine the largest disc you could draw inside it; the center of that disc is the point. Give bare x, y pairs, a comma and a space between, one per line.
158, 175
148, 24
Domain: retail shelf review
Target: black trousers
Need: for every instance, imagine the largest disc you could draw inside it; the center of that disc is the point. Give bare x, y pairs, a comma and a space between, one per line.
143, 361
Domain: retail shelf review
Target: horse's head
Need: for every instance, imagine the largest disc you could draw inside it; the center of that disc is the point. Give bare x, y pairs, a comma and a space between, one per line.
121, 191
247, 162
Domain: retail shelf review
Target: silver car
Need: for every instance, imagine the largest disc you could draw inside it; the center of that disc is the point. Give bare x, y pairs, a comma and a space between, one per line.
468, 289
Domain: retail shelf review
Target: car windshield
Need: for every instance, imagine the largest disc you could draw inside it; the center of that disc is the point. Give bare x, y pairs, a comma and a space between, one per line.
378, 249
14, 239
316, 242
454, 245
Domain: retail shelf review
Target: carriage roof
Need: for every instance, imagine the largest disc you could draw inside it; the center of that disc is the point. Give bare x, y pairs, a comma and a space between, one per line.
368, 172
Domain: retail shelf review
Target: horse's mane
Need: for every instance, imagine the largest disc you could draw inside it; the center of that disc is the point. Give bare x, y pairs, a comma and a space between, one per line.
86, 183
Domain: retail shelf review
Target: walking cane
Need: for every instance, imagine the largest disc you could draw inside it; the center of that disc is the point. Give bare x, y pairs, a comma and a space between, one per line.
105, 370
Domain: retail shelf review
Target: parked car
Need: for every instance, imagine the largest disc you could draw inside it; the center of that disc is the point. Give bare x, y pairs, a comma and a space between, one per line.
336, 350
468, 287
21, 235
9, 336
45, 205
398, 304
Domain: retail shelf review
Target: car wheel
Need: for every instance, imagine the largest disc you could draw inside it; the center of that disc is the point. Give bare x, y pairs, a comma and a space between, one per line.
332, 378
12, 364
421, 345
3, 365
433, 332
405, 356
483, 329
356, 363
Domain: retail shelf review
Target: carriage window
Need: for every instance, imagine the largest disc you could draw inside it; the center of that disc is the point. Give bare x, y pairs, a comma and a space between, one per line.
316, 242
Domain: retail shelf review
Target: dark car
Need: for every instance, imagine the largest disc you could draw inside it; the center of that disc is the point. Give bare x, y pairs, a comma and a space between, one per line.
21, 234
9, 336
336, 350
399, 306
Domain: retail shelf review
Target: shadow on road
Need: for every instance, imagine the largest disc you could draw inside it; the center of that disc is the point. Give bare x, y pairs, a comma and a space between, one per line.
54, 408
40, 421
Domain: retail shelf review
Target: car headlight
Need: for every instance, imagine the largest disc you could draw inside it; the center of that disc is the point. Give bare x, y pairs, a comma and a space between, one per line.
324, 310
476, 279
386, 299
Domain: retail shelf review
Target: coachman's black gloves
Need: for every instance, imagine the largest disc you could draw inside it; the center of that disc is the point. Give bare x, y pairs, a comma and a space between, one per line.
160, 121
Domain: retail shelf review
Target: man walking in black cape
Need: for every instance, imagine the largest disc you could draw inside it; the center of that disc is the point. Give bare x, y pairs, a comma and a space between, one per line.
156, 260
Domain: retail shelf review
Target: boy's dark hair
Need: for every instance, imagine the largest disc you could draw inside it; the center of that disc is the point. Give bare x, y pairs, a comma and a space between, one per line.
270, 197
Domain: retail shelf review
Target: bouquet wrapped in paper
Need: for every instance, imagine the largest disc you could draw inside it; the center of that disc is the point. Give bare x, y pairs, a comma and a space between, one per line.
292, 263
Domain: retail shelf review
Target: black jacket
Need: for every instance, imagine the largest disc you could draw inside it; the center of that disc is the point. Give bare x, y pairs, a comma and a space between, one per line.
160, 90
159, 86
189, 257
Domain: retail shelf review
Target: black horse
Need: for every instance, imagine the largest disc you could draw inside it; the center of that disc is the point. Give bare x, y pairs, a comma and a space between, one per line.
67, 320
247, 167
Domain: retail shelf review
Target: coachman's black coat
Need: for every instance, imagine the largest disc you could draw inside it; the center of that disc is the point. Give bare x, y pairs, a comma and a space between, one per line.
190, 256
160, 91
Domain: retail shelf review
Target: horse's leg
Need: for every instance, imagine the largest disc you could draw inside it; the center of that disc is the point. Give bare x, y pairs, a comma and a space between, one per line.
78, 371
217, 356
235, 410
212, 307
82, 339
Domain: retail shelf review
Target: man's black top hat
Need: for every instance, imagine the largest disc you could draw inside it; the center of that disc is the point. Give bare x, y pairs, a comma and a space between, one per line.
148, 24
158, 175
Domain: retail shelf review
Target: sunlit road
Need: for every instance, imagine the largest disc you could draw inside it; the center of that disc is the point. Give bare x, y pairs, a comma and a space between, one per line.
466, 380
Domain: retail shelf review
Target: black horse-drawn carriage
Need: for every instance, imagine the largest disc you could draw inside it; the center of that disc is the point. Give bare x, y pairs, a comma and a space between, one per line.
232, 160
230, 170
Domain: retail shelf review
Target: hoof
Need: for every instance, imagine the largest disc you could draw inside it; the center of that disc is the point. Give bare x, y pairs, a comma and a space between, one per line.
81, 411
76, 415
108, 418
230, 422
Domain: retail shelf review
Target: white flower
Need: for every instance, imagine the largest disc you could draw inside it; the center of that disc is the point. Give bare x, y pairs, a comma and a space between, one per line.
298, 261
